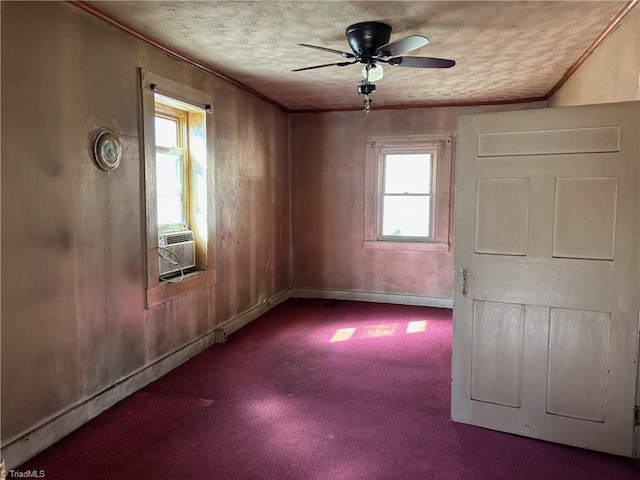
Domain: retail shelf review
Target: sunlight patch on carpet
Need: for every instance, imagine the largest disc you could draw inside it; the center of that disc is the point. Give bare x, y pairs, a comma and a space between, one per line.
342, 335
383, 330
417, 326
380, 331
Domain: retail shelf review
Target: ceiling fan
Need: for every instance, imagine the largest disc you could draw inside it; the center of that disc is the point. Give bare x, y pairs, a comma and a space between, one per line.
370, 44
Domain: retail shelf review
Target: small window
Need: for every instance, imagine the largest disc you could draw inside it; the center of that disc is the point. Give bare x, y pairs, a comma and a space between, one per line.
406, 196
408, 192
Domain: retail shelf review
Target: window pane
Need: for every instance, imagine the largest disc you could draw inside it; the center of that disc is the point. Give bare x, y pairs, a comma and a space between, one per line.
407, 173
169, 188
166, 132
406, 216
169, 209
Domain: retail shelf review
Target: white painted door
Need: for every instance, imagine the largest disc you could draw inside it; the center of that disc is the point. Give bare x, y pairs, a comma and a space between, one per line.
546, 329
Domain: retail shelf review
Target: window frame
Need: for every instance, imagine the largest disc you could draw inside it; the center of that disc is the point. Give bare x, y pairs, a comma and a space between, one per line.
201, 154
440, 145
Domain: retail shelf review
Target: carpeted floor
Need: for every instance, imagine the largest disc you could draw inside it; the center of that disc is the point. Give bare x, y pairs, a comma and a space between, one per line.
313, 390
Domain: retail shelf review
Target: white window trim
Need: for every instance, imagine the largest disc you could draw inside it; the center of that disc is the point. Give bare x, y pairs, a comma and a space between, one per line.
441, 144
158, 292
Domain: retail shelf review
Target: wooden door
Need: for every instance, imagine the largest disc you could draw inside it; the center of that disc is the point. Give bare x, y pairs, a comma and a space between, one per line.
546, 329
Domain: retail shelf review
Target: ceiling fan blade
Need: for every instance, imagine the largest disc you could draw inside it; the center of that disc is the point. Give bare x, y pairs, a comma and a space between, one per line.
421, 62
325, 49
403, 45
339, 64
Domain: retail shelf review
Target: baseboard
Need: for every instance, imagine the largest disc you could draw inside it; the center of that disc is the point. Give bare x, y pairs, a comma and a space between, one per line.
420, 300
251, 314
23, 447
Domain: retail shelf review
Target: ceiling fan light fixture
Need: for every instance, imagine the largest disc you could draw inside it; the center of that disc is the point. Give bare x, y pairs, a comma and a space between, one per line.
375, 72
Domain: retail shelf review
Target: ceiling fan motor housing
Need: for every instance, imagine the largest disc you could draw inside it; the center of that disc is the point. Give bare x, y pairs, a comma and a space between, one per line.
366, 37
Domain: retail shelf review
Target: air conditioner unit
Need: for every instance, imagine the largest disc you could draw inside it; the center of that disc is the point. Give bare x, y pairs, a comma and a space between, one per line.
176, 251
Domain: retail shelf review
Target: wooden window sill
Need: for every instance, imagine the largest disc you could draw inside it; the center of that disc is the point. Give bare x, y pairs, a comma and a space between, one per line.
407, 246
169, 290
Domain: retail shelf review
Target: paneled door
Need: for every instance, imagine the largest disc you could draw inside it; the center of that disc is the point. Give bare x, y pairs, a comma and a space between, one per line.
546, 256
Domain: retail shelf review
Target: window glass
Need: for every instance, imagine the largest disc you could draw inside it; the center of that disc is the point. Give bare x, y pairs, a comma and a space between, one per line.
407, 173
406, 215
167, 132
170, 189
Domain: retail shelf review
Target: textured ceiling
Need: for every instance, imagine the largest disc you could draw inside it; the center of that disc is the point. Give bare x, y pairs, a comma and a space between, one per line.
504, 50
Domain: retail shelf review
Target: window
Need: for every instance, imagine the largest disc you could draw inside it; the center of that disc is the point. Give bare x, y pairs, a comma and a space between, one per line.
405, 196
172, 167
408, 192
178, 196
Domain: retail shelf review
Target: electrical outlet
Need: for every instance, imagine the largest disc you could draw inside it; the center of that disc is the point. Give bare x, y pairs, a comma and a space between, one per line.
220, 335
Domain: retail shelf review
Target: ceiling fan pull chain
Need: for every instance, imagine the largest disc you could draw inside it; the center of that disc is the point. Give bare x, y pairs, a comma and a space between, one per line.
365, 88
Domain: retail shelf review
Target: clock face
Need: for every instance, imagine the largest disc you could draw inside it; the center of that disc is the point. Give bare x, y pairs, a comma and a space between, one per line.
110, 151
107, 150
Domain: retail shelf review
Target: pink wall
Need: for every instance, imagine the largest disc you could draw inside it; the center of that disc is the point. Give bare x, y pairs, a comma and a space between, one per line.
328, 182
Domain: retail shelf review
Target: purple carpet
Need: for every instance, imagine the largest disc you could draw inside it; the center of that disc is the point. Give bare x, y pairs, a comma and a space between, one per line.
313, 390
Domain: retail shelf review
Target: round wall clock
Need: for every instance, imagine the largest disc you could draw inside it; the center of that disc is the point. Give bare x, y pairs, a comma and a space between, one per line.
107, 149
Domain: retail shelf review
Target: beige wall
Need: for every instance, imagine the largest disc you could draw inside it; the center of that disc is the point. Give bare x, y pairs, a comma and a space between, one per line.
73, 317
610, 74
328, 155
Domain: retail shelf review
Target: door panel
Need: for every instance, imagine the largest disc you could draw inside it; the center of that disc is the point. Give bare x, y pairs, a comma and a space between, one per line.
503, 206
498, 335
578, 344
545, 340
585, 218
574, 140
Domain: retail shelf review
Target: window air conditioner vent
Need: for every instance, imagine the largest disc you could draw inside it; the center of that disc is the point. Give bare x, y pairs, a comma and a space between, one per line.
179, 237
176, 251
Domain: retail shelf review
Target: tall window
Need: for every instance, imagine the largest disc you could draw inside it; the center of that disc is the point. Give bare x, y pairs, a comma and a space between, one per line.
172, 167
408, 189
178, 176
